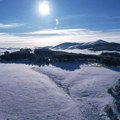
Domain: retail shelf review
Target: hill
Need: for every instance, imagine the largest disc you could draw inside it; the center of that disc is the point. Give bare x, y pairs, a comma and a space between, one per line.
98, 45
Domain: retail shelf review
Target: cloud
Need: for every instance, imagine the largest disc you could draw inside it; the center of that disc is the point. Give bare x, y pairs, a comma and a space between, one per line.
56, 32
79, 35
7, 26
64, 32
54, 37
57, 21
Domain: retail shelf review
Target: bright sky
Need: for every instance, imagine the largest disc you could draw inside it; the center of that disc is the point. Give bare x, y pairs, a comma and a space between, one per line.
23, 22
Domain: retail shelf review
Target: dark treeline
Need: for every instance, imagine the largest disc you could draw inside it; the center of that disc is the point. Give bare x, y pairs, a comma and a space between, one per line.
47, 56
113, 54
109, 46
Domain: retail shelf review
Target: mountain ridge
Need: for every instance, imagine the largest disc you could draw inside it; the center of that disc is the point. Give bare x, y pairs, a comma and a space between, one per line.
98, 45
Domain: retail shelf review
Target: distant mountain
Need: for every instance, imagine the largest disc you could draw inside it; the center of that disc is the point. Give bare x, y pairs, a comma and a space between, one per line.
74, 45
98, 45
67, 45
98, 42
91, 44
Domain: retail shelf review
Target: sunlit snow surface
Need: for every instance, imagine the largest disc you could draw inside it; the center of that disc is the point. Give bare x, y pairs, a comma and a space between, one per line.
54, 92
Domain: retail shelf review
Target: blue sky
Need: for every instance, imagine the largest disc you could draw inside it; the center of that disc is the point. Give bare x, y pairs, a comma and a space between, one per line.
77, 21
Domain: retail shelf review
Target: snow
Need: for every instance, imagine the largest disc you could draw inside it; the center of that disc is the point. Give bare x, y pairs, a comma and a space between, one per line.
54, 92
26, 94
67, 45
73, 45
98, 42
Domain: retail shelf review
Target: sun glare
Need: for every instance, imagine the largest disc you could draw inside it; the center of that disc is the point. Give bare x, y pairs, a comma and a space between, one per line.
44, 8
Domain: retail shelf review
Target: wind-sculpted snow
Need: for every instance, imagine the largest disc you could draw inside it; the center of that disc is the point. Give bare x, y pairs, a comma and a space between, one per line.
53, 93
86, 86
25, 94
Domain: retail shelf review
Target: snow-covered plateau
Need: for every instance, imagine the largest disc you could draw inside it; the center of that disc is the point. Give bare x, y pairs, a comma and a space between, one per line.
56, 92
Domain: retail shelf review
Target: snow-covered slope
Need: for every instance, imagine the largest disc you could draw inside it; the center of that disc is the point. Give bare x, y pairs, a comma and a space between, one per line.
53, 93
69, 45
98, 42
95, 47
26, 94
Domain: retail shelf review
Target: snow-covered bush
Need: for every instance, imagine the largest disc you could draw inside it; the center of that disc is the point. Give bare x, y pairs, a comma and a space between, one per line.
113, 112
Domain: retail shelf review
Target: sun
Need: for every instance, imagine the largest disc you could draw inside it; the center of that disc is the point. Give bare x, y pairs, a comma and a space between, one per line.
44, 8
